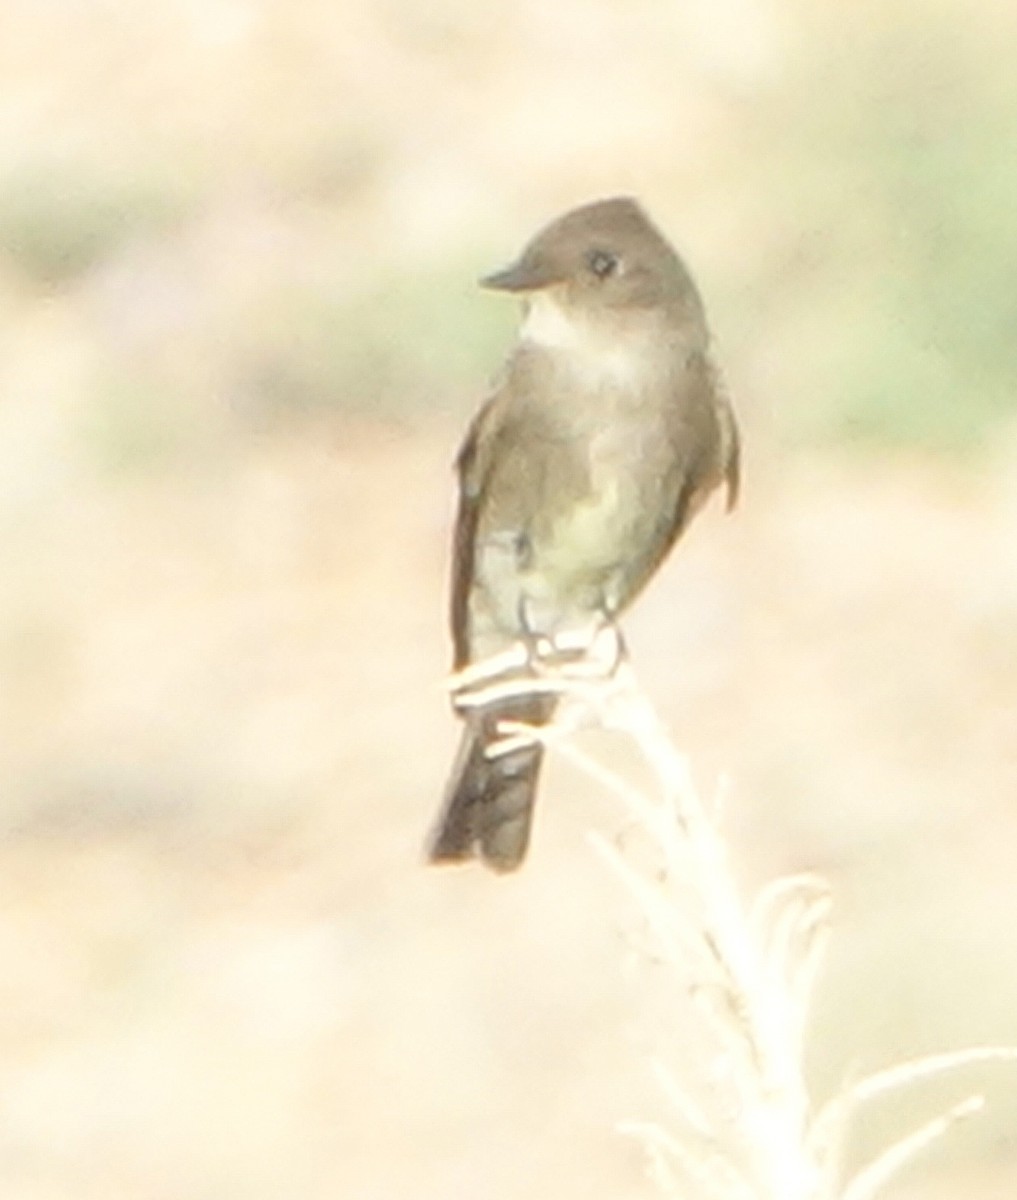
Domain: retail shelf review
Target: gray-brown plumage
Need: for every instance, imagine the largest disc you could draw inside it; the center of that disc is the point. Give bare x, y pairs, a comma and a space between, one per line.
606, 433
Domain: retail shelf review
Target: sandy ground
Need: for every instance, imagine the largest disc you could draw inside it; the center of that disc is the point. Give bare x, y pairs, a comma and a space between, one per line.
225, 969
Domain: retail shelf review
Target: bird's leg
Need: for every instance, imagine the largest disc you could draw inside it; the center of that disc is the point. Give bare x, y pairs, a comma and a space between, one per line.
486, 672
595, 651
514, 672
540, 663
538, 646
611, 634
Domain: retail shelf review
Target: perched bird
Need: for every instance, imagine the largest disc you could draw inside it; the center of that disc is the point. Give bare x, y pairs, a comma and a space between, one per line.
606, 433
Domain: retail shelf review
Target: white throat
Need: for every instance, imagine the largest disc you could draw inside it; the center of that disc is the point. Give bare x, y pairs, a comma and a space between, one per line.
550, 325
593, 350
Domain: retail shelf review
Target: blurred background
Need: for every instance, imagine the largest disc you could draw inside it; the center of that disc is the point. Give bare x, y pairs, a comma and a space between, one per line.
239, 339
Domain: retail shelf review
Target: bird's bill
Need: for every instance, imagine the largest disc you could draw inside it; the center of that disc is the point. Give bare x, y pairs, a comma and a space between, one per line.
521, 276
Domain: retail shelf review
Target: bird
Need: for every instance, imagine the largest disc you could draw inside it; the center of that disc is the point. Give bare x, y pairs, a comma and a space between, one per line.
606, 432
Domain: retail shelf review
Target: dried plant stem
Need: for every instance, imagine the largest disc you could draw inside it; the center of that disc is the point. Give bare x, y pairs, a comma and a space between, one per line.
756, 1019
750, 967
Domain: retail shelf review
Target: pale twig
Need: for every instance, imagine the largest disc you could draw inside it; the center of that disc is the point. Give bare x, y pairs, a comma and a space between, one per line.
607, 778
586, 654
749, 1013
836, 1112
682, 1102
673, 940
872, 1178
513, 689
519, 735
488, 669
891, 1078
706, 1167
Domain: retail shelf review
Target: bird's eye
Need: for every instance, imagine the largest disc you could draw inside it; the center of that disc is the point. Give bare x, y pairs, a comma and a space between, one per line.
602, 263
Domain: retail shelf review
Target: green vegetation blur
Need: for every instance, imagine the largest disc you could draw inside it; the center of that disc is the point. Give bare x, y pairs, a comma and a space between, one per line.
246, 215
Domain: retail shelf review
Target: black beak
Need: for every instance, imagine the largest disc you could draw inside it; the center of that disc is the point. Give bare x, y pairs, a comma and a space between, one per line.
522, 276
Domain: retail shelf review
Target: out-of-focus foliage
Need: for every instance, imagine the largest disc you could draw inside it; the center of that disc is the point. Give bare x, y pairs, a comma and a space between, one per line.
284, 212
887, 164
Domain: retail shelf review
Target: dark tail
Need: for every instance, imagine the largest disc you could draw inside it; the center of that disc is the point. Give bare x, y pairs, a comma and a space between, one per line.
488, 805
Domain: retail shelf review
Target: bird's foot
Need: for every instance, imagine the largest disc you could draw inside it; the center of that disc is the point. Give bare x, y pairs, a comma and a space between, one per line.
590, 653
522, 735
558, 665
